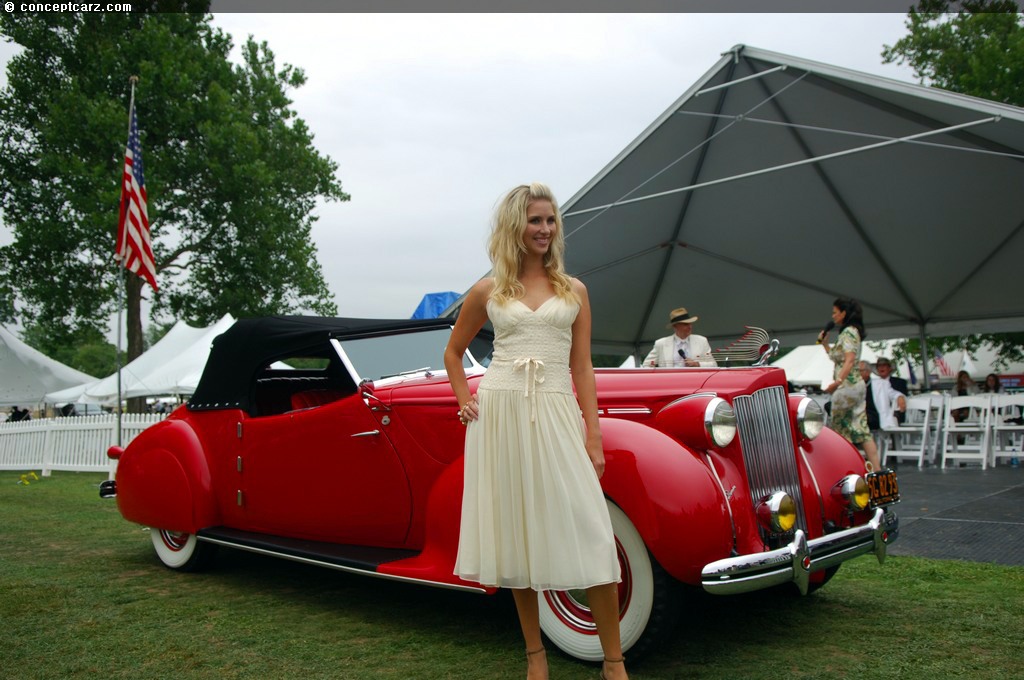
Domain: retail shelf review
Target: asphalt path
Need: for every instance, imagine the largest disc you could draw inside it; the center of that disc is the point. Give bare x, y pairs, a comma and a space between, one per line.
962, 514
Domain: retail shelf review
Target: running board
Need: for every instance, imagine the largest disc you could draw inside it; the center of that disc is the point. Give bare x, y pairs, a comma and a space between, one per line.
354, 559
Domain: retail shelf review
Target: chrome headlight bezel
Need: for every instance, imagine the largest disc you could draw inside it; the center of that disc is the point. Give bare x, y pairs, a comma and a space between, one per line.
777, 513
719, 422
852, 492
810, 418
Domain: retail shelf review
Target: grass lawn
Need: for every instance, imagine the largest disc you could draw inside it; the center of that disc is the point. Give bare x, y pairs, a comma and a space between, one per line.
82, 595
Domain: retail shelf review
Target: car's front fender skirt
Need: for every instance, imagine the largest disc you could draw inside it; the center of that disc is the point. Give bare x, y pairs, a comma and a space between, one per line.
163, 480
669, 495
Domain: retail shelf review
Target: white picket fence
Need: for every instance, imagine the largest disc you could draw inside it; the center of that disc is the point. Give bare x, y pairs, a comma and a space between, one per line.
77, 443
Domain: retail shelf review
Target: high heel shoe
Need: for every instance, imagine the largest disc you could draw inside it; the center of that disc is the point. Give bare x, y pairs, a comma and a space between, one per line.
607, 660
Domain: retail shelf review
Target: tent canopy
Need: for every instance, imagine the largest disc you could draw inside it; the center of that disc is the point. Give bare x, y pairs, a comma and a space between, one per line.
776, 184
27, 374
172, 366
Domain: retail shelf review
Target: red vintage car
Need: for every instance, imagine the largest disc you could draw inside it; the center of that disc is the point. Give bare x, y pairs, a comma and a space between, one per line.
336, 442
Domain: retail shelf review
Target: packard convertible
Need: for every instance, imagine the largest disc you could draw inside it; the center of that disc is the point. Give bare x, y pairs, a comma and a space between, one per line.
716, 478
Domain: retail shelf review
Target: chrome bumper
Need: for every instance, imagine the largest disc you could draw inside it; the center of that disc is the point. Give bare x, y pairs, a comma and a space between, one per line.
795, 562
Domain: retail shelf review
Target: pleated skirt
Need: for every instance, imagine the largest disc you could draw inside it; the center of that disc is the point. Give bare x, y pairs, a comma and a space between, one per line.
533, 512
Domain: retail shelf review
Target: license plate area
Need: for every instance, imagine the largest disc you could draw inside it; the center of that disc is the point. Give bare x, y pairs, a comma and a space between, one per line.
884, 488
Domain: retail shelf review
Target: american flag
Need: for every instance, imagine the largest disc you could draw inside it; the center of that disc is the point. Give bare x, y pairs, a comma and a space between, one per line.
134, 248
940, 363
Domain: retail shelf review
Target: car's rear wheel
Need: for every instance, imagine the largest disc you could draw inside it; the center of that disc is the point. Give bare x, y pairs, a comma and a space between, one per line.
649, 602
181, 551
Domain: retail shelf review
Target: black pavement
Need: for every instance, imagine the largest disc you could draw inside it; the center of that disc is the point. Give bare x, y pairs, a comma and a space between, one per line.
962, 514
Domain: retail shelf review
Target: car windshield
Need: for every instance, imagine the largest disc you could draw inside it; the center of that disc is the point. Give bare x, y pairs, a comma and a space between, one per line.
382, 356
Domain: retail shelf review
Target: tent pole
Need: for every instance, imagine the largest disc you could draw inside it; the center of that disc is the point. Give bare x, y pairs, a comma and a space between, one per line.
925, 375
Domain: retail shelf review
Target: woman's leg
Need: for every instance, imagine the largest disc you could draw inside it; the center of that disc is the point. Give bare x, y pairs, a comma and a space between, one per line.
529, 620
604, 605
871, 451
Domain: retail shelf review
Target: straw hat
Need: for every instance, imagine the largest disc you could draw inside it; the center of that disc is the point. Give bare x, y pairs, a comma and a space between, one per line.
680, 315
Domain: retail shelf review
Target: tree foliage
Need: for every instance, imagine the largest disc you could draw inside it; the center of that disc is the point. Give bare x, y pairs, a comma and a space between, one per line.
231, 173
979, 51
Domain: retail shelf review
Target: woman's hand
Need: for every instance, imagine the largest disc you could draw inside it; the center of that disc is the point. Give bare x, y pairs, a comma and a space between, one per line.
833, 387
596, 453
470, 411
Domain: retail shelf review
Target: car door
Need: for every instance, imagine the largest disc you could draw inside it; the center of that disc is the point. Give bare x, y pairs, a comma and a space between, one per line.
326, 473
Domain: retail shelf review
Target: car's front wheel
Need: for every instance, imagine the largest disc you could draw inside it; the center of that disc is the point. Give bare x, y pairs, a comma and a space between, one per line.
181, 551
649, 602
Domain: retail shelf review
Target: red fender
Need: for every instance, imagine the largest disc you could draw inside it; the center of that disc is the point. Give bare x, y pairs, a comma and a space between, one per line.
670, 496
436, 562
166, 485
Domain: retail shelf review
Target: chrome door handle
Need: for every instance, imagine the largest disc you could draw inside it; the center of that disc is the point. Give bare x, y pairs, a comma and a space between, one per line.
371, 433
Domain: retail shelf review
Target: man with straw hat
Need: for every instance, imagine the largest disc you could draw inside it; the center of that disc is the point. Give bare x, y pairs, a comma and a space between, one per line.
684, 348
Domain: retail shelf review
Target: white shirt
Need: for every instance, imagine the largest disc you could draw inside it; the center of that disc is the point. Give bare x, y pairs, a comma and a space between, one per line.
886, 399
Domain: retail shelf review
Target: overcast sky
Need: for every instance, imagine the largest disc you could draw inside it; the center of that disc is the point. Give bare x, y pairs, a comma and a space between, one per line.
431, 118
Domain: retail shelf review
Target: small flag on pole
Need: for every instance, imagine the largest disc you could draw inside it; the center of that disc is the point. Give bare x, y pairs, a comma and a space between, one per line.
940, 363
910, 370
134, 248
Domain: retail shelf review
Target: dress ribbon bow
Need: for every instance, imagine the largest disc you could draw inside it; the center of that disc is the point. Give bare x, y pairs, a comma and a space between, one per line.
533, 370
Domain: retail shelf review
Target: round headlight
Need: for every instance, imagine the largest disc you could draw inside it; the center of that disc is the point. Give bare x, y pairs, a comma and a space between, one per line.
720, 422
777, 513
810, 418
852, 491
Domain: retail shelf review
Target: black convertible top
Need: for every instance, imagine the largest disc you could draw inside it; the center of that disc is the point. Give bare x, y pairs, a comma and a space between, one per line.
249, 345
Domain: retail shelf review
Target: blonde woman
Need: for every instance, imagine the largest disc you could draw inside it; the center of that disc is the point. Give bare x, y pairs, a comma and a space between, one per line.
533, 513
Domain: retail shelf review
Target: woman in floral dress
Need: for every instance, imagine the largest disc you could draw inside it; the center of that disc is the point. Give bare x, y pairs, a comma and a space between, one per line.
849, 412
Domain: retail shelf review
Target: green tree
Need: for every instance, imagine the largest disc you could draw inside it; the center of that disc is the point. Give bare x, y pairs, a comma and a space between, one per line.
231, 174
978, 51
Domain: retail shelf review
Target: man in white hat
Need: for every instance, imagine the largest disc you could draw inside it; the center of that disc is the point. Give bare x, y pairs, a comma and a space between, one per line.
684, 348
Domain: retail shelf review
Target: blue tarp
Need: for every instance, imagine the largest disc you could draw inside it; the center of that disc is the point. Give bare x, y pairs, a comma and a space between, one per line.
433, 304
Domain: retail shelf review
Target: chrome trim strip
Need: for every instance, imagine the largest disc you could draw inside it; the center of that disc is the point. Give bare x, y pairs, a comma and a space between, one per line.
643, 410
726, 496
747, 573
814, 480
339, 567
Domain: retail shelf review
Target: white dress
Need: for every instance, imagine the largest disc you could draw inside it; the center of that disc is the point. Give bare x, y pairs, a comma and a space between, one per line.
533, 513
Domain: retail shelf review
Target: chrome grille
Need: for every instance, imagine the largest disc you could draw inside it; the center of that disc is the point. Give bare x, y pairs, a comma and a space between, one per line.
762, 422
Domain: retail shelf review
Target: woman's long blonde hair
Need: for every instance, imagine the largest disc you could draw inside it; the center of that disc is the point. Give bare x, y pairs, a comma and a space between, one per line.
506, 247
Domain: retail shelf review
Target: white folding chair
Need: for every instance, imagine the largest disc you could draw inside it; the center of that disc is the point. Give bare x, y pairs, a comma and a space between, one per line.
968, 439
1007, 435
911, 438
938, 420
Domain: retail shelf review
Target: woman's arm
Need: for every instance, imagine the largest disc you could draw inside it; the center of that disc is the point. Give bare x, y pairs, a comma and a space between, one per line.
849, 359
582, 367
471, 319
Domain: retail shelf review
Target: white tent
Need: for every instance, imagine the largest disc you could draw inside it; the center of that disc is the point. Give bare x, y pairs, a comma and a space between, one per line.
26, 374
809, 365
170, 367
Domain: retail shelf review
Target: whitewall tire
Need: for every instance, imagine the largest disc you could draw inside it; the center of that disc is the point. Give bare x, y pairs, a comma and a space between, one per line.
648, 602
180, 551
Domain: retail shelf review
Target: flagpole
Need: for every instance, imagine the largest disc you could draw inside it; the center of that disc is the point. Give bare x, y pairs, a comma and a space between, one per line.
122, 287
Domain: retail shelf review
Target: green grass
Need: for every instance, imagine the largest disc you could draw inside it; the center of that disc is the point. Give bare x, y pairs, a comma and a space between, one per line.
82, 595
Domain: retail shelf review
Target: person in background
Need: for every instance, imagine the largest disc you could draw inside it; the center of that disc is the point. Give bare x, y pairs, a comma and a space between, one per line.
963, 387
849, 414
883, 367
881, 401
684, 347
992, 384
